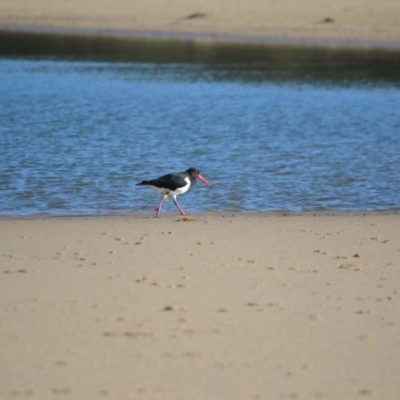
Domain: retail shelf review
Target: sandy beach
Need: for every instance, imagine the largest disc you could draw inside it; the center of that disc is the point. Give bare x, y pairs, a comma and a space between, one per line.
343, 22
203, 307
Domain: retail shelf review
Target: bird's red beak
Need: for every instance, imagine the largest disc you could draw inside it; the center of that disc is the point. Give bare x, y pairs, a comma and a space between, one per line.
204, 180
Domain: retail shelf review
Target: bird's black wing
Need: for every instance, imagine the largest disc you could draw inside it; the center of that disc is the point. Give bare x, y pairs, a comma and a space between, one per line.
170, 181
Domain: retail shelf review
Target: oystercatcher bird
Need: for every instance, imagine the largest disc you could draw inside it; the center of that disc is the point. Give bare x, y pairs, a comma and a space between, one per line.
174, 184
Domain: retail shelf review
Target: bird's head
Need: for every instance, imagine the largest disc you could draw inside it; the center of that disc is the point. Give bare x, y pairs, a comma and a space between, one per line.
195, 173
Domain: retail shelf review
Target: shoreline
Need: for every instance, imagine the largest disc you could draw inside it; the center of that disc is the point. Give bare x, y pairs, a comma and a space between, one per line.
135, 215
204, 37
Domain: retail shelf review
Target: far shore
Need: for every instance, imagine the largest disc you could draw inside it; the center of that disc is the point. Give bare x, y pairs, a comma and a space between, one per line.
204, 37
343, 23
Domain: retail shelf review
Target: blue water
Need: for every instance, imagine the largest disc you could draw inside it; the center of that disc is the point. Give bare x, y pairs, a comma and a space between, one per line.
75, 138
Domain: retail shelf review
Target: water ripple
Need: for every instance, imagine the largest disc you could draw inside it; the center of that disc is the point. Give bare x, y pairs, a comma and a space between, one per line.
77, 136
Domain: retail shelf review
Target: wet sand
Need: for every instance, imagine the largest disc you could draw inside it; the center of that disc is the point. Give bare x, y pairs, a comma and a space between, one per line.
206, 307
342, 22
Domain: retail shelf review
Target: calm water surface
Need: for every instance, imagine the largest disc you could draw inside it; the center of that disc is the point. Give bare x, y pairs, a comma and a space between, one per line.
77, 134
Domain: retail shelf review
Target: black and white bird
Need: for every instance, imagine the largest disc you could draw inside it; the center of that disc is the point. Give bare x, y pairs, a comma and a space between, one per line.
174, 184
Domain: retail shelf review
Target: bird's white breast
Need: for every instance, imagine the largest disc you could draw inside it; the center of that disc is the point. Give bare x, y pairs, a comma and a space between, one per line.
183, 189
180, 190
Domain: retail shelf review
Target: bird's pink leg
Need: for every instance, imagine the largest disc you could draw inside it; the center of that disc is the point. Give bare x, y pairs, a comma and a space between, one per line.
158, 209
179, 208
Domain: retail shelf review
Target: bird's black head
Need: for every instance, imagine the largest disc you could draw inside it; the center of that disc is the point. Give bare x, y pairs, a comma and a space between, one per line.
195, 173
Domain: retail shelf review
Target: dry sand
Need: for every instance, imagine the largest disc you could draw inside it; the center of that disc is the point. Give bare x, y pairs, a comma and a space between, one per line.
206, 307
362, 22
